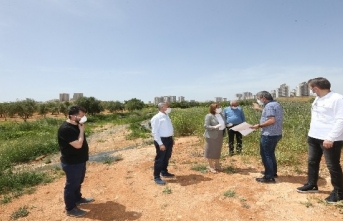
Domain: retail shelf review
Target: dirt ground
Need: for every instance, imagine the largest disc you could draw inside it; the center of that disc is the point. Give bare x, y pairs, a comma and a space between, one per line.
125, 190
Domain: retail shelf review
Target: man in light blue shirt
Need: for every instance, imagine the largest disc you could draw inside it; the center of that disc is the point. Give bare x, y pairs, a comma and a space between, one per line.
234, 115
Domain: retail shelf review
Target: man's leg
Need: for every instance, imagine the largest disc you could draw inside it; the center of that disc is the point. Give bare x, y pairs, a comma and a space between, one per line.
239, 142
274, 144
315, 153
231, 135
158, 165
268, 144
168, 143
263, 157
74, 173
78, 194
332, 157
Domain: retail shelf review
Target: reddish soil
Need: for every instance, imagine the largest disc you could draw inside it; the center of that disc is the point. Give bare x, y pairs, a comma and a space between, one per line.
125, 190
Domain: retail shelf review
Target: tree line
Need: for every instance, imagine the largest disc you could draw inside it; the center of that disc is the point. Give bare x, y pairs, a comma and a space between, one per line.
28, 107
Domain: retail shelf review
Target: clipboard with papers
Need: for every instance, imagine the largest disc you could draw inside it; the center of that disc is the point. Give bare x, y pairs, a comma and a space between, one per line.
243, 128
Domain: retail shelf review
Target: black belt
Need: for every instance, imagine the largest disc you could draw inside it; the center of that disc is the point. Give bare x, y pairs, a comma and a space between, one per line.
166, 137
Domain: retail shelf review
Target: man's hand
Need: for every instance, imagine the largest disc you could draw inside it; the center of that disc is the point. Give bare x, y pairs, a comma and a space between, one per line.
327, 144
256, 126
256, 106
162, 147
81, 127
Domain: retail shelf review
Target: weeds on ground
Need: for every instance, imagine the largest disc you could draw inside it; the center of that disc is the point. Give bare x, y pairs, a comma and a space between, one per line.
229, 170
167, 190
199, 167
21, 212
230, 193
307, 204
110, 159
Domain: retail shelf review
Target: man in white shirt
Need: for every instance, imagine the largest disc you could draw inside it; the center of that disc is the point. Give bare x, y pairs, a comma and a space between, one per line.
325, 137
163, 131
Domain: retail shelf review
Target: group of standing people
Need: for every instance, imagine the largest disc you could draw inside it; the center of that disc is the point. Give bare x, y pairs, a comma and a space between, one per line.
270, 123
325, 137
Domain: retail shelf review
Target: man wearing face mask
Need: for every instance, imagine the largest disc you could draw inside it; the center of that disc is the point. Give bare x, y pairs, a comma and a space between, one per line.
162, 131
234, 115
325, 137
271, 132
74, 154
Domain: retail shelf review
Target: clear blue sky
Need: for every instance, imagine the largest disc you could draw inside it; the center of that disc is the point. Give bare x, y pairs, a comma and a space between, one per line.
118, 50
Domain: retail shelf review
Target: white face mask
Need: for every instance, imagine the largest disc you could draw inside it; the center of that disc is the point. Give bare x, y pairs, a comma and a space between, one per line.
168, 110
260, 102
218, 110
234, 107
83, 120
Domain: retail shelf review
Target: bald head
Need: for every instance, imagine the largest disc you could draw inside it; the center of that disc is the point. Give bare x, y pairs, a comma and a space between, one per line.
234, 103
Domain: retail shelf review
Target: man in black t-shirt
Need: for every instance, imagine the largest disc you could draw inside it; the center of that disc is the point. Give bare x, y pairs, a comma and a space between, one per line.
74, 154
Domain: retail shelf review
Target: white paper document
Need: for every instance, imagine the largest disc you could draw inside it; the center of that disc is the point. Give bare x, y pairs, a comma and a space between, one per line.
243, 128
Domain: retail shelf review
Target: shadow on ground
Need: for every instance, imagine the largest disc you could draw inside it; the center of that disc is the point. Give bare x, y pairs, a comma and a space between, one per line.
190, 179
109, 211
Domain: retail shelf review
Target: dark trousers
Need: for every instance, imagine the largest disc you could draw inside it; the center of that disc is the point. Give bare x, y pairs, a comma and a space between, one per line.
231, 135
162, 157
332, 158
267, 151
75, 174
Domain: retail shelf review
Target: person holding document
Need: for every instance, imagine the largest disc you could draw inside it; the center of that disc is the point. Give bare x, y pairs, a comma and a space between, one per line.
271, 132
214, 126
234, 115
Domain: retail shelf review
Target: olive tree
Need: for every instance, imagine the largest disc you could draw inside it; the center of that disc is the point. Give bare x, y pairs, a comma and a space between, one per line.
92, 105
26, 108
134, 104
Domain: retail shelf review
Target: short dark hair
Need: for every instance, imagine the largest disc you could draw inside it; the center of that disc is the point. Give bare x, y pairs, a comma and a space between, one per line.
320, 82
82, 109
265, 94
73, 110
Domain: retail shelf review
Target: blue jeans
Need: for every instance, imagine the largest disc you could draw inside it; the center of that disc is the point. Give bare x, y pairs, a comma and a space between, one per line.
162, 157
332, 158
75, 174
267, 151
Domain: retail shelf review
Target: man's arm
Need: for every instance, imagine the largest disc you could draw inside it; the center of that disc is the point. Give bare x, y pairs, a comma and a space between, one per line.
257, 107
337, 128
268, 122
79, 142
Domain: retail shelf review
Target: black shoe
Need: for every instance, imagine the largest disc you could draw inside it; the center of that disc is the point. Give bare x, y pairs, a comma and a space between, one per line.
159, 181
76, 212
265, 180
334, 197
308, 188
275, 175
84, 201
167, 174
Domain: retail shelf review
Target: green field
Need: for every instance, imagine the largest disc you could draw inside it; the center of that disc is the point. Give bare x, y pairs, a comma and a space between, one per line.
25, 141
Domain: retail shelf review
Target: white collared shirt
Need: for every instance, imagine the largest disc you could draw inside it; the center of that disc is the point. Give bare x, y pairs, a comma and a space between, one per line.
327, 117
161, 127
221, 121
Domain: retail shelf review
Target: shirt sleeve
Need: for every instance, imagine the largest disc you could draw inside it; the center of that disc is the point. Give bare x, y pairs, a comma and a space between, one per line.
337, 128
243, 116
155, 125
